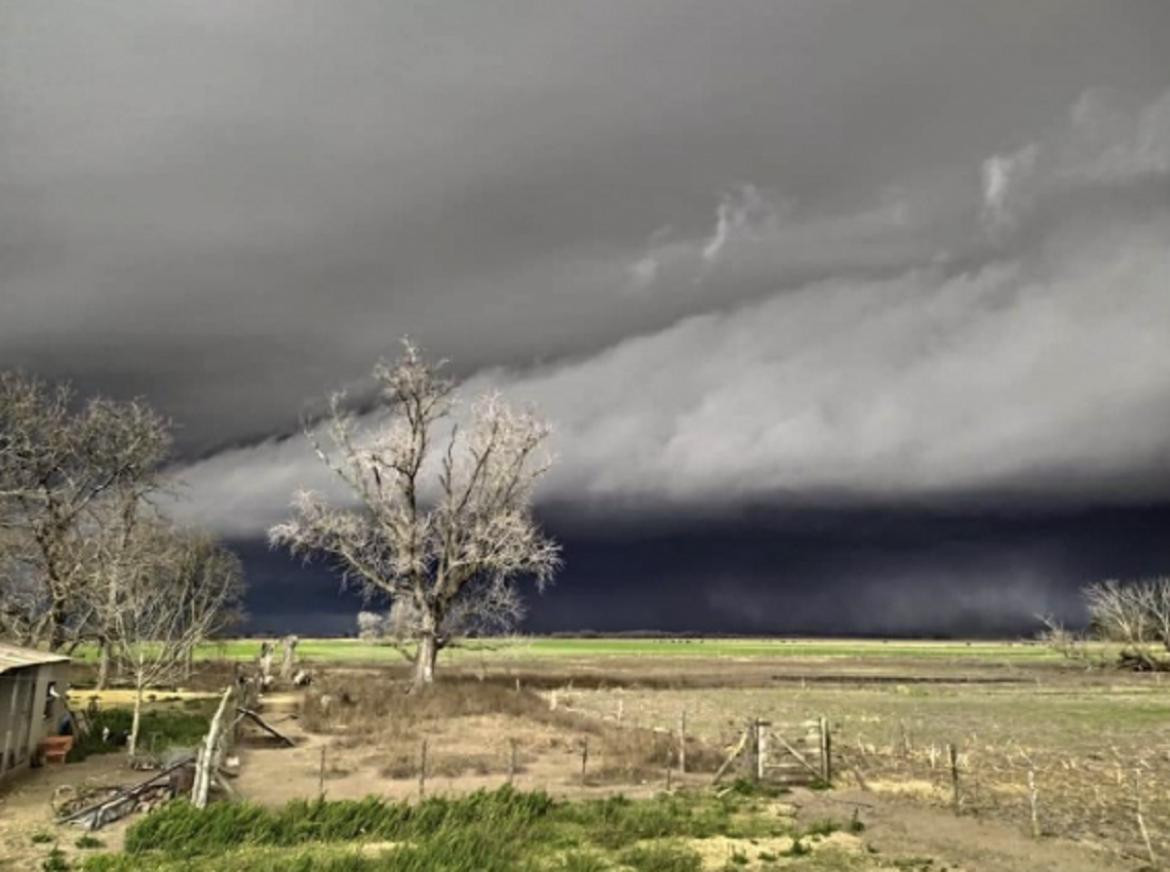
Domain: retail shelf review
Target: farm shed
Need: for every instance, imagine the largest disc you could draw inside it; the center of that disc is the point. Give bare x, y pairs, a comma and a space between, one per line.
32, 703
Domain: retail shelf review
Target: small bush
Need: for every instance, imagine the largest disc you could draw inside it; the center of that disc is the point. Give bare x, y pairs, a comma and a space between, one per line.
856, 825
56, 861
748, 787
87, 841
823, 827
580, 861
41, 838
798, 849
662, 858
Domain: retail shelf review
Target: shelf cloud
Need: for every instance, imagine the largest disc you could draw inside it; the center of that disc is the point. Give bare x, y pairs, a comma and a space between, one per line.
1033, 376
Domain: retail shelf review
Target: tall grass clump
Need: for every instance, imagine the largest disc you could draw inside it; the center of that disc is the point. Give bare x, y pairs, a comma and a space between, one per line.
662, 858
179, 828
616, 821
471, 849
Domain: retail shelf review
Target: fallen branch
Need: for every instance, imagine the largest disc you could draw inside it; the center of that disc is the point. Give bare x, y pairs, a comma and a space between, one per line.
264, 725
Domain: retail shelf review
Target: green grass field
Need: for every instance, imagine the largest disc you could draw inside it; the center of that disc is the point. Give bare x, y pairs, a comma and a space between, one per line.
544, 648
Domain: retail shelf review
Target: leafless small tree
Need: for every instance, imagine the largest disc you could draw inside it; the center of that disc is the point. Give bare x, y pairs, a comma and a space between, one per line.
445, 530
60, 463
175, 590
1069, 644
371, 626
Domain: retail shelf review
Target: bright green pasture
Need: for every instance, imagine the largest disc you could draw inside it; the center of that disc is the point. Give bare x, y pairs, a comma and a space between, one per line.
538, 648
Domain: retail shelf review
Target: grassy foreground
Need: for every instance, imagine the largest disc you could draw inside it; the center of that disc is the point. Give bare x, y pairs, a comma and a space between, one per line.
491, 831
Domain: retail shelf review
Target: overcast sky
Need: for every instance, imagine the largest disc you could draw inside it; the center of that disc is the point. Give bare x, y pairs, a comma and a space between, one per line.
774, 257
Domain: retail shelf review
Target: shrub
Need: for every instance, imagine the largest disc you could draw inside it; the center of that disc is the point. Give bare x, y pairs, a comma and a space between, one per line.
823, 827
617, 821
174, 728
56, 861
662, 858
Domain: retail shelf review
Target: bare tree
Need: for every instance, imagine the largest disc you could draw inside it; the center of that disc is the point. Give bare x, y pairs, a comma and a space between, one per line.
1136, 614
59, 465
371, 626
444, 529
174, 591
1070, 644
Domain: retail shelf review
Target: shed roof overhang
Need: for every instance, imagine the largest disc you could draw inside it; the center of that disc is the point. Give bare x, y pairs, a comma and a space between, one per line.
13, 657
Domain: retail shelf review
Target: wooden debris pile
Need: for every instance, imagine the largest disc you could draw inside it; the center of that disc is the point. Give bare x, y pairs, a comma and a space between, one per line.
96, 807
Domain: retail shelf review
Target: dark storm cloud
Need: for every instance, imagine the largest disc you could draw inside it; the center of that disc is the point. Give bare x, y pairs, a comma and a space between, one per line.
874, 572
231, 206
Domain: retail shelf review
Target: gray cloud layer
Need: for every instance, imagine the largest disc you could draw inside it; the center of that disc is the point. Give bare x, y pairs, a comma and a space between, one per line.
820, 250
1037, 375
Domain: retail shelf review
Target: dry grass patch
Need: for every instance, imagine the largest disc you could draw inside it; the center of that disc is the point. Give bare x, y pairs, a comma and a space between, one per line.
364, 710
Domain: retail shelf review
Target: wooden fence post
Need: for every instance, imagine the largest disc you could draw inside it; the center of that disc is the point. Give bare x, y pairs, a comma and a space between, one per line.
761, 749
207, 761
511, 761
1032, 803
584, 757
682, 742
422, 770
321, 776
953, 757
826, 750
1141, 822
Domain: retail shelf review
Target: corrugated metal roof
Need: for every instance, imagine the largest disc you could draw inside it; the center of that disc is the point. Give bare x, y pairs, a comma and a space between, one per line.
12, 657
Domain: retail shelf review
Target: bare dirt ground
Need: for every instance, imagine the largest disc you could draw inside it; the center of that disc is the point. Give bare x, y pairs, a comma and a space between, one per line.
911, 830
463, 754
26, 810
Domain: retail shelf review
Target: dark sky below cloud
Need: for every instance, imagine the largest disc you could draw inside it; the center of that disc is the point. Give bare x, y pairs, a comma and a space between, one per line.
814, 256
869, 572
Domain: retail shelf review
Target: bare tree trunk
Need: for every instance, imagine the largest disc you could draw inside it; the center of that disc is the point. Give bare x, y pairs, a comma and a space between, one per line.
103, 675
424, 661
132, 741
57, 619
288, 659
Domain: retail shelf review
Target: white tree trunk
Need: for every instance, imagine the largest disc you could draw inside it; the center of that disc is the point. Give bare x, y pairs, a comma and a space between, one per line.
103, 675
424, 663
132, 742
